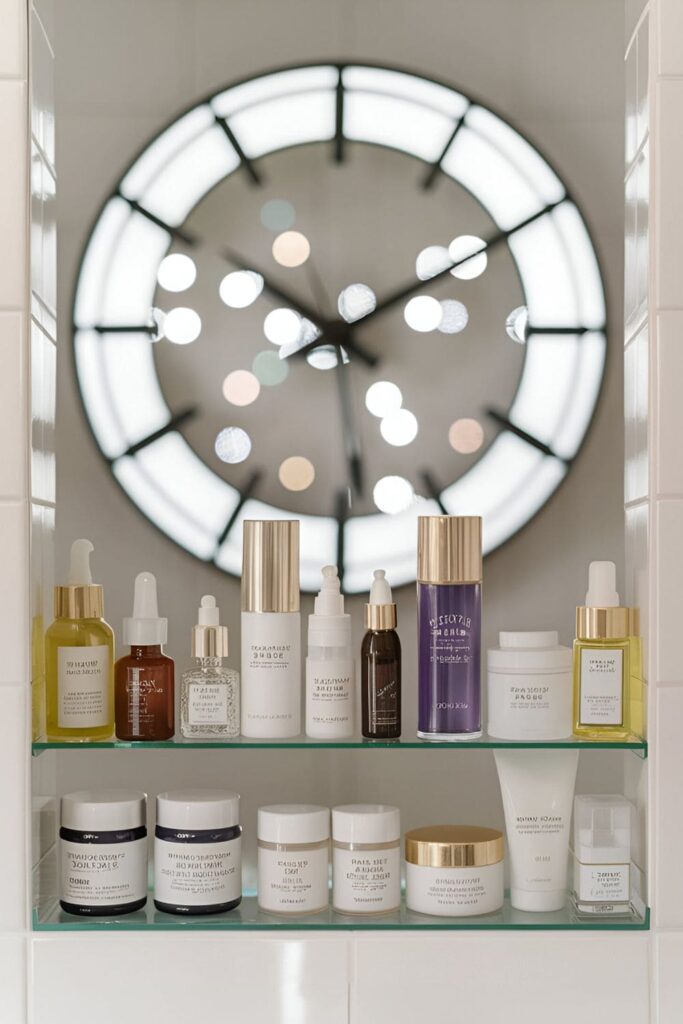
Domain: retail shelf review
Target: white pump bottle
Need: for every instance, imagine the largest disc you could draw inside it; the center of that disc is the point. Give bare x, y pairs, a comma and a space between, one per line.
329, 665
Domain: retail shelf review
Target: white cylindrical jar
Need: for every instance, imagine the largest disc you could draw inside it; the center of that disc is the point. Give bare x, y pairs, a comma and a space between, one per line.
293, 858
103, 852
454, 870
366, 859
530, 687
271, 630
197, 852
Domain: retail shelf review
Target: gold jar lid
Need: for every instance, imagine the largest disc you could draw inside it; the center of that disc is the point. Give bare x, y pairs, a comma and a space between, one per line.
79, 601
454, 846
270, 565
449, 549
380, 616
607, 623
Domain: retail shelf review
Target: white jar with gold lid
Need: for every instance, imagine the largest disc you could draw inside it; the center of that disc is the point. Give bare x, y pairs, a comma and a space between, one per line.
454, 870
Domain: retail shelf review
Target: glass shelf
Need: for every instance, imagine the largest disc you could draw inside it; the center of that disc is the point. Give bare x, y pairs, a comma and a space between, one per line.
638, 746
248, 917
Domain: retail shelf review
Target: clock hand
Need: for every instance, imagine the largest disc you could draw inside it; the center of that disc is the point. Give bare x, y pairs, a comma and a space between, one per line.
352, 444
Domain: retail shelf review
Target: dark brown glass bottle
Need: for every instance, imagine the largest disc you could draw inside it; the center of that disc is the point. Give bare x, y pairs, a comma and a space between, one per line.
144, 682
380, 657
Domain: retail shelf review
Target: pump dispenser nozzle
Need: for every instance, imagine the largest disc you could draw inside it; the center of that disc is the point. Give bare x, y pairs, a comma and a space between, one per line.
330, 600
329, 625
209, 638
145, 628
602, 585
79, 563
380, 612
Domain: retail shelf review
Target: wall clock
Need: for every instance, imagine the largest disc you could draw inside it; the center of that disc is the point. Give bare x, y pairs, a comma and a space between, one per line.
343, 292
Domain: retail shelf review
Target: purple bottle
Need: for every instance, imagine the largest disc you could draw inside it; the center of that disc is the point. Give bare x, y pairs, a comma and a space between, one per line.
449, 571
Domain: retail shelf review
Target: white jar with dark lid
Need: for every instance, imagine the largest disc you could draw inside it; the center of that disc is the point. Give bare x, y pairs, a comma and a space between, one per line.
530, 687
293, 858
103, 852
366, 859
197, 852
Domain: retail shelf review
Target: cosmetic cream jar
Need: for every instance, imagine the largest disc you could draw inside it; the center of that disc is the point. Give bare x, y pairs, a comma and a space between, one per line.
530, 687
454, 870
366, 859
103, 852
293, 858
197, 852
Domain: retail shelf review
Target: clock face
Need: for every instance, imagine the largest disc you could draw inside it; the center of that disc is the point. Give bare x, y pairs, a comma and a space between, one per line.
347, 294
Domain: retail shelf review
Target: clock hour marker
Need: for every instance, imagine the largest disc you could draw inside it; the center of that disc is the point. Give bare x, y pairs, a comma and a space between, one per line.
241, 388
125, 328
466, 436
249, 167
176, 421
296, 473
399, 428
178, 233
277, 215
233, 445
433, 172
393, 494
339, 138
291, 249
433, 489
246, 493
454, 316
535, 442
177, 272
240, 288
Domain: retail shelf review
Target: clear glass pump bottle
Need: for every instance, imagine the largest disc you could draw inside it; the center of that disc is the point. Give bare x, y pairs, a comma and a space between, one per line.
210, 692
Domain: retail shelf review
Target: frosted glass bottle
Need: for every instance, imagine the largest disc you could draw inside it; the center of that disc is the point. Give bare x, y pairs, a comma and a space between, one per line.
209, 692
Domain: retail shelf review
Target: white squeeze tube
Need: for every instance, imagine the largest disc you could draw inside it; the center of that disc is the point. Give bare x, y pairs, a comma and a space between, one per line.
538, 791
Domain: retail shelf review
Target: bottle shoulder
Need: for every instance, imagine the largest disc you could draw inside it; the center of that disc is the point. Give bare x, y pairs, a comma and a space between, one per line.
80, 632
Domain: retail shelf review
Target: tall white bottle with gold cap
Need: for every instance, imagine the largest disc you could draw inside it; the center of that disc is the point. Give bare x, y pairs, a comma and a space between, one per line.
79, 657
271, 629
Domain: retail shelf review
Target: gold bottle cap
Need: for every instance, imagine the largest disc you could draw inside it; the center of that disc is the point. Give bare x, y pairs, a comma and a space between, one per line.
380, 616
607, 623
454, 846
449, 549
80, 598
270, 565
209, 641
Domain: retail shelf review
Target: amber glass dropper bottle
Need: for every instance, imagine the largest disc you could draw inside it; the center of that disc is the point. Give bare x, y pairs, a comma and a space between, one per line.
381, 665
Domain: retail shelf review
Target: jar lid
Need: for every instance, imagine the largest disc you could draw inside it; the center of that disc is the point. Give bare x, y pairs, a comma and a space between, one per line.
103, 810
454, 846
293, 823
198, 809
534, 650
366, 823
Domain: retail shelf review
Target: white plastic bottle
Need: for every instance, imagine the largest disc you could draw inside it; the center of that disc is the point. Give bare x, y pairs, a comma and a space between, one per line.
329, 665
271, 629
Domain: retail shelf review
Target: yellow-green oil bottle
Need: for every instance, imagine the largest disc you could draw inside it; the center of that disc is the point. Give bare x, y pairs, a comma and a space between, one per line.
79, 658
608, 674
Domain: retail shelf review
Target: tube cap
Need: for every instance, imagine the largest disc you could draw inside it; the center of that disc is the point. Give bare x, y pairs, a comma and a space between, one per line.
145, 628
209, 638
80, 598
103, 810
293, 823
380, 612
366, 823
197, 809
449, 549
270, 565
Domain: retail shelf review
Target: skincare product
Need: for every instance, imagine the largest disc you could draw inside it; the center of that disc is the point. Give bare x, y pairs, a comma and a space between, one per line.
210, 693
380, 658
608, 677
454, 870
366, 859
79, 657
293, 858
271, 629
602, 855
538, 790
449, 572
329, 665
197, 852
530, 687
145, 694
103, 852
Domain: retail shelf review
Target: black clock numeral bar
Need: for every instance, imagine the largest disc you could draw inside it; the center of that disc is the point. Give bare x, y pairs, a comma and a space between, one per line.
246, 493
182, 236
176, 420
339, 137
122, 328
436, 169
531, 439
562, 330
433, 489
248, 164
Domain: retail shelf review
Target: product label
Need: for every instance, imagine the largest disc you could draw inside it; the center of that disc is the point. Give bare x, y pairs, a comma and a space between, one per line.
383, 706
366, 881
329, 695
602, 687
539, 862
197, 874
271, 674
450, 639
103, 874
601, 883
83, 687
145, 689
207, 704
460, 892
295, 882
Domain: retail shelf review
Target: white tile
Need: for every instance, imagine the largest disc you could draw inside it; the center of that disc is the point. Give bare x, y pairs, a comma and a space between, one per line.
42, 90
14, 800
643, 85
668, 610
13, 47
670, 37
399, 979
669, 422
636, 462
636, 782
298, 980
631, 113
13, 406
14, 596
13, 979
669, 206
13, 193
636, 583
668, 810
43, 395
670, 978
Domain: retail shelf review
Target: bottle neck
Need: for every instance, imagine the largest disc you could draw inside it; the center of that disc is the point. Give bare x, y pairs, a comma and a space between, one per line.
209, 662
146, 651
